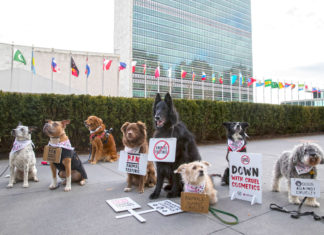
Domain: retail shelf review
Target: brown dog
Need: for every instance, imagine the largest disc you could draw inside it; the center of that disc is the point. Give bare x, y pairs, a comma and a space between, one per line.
103, 145
135, 141
70, 167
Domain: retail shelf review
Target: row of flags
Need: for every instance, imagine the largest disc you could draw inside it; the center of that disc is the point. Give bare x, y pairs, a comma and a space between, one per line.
281, 85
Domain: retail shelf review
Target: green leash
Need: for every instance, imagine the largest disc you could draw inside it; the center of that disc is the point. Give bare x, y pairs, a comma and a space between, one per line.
213, 211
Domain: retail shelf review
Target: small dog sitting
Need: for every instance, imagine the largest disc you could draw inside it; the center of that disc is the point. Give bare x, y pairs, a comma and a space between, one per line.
22, 161
135, 141
301, 162
236, 142
70, 167
196, 179
102, 142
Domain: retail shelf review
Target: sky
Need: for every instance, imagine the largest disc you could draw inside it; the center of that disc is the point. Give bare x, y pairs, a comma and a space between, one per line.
287, 35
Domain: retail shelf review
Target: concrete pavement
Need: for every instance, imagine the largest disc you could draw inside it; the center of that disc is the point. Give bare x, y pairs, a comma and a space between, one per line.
38, 210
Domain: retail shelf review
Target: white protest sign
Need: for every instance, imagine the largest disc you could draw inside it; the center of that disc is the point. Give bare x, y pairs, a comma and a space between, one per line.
122, 204
305, 187
162, 149
166, 207
245, 176
133, 163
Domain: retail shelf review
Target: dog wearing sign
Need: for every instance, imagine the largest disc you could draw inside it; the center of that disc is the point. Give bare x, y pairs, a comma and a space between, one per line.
22, 161
167, 125
196, 179
135, 141
301, 162
70, 167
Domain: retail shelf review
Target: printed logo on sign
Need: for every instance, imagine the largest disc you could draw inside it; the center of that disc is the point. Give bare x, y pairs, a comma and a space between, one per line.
245, 159
161, 149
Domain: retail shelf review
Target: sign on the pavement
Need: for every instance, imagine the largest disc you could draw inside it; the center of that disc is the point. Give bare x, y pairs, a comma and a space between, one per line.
305, 187
162, 149
246, 176
133, 163
122, 204
166, 207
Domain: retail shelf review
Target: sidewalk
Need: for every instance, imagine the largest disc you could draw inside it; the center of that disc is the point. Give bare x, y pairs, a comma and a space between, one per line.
38, 210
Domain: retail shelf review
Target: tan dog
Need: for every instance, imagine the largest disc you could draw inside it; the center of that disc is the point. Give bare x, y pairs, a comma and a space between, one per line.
103, 145
70, 168
135, 141
196, 179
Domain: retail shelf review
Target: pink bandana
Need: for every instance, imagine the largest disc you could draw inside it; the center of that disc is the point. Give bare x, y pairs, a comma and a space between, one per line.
303, 169
20, 144
235, 146
189, 188
66, 145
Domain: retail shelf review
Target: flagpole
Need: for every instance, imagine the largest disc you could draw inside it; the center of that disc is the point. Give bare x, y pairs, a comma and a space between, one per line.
192, 84
159, 77
241, 76
170, 75
263, 88
70, 73
203, 91
231, 85
248, 95
87, 77
12, 52
52, 77
213, 85
145, 80
181, 82
298, 92
284, 91
222, 87
103, 77
32, 72
278, 93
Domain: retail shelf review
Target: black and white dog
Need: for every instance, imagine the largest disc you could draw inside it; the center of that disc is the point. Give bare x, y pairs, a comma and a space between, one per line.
167, 125
236, 142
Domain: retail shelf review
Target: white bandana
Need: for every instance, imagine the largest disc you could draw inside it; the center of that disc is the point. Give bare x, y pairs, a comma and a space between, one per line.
189, 188
66, 145
235, 145
132, 150
303, 169
20, 144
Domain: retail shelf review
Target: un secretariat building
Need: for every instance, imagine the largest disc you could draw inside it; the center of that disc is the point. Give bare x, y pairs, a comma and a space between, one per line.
190, 48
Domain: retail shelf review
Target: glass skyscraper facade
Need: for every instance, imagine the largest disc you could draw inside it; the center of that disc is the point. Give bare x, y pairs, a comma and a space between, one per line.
196, 36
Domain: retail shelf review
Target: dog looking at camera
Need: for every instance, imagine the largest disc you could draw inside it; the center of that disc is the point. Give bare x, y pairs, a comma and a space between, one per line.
167, 125
102, 142
70, 167
135, 141
196, 179
236, 142
22, 161
301, 162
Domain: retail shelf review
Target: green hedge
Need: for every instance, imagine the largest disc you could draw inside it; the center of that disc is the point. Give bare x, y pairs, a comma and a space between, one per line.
203, 118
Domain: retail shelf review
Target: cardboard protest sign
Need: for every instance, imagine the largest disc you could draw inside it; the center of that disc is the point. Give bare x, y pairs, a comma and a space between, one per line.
133, 163
122, 204
166, 207
305, 187
162, 149
52, 154
194, 202
245, 176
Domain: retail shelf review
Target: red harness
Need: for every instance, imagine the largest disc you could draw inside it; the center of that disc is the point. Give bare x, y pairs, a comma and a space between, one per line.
93, 135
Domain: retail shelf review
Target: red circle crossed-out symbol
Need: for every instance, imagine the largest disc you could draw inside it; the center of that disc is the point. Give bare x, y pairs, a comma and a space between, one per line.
245, 159
164, 145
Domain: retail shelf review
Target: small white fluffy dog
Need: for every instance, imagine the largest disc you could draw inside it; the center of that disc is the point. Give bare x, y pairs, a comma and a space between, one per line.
301, 162
196, 179
22, 161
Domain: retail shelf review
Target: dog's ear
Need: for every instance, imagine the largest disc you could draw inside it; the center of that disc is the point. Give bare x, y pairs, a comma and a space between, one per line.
65, 122
244, 125
157, 100
20, 123
226, 124
124, 127
142, 128
297, 153
181, 168
31, 129
99, 120
168, 100
206, 163
48, 120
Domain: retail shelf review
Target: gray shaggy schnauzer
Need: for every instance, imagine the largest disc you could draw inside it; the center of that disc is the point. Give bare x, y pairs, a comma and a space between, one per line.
301, 162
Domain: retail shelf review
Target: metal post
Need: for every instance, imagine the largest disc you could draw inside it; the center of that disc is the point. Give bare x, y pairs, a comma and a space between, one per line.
145, 79
103, 77
52, 75
87, 76
240, 85
70, 73
231, 85
181, 83
12, 55
32, 72
222, 87
159, 77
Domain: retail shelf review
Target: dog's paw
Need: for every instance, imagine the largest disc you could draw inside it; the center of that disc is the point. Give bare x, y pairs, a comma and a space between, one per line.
167, 187
141, 191
53, 186
93, 163
151, 185
172, 194
294, 200
26, 185
9, 185
154, 196
36, 179
312, 202
127, 189
82, 182
67, 189
275, 189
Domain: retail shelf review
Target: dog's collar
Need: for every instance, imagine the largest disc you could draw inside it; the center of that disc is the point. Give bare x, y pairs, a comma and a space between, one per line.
65, 144
190, 188
132, 150
236, 146
303, 169
20, 144
98, 128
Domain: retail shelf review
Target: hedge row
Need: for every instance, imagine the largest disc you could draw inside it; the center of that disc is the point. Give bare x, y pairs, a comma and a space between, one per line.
204, 118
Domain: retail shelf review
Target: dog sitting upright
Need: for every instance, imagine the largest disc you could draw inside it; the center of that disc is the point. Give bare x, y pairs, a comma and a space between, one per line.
135, 141
102, 142
236, 142
70, 167
22, 161
167, 125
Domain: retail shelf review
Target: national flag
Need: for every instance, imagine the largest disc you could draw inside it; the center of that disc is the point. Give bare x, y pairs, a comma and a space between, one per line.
183, 73
32, 63
144, 69
74, 68
281, 85
106, 64
87, 70
293, 86
287, 85
220, 80
250, 81
170, 72
213, 78
259, 84
54, 66
134, 66
193, 76
300, 87
267, 82
274, 85
314, 90
203, 76
306, 87
233, 79
157, 72
18, 56
241, 79
122, 66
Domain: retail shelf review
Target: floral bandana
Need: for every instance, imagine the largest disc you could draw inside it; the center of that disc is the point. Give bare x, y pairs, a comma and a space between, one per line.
235, 146
66, 145
20, 144
189, 188
303, 169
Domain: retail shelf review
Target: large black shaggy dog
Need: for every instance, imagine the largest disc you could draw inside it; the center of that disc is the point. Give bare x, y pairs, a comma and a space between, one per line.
167, 125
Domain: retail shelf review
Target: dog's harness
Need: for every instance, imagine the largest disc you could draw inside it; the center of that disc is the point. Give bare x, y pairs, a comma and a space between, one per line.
21, 144
105, 133
296, 214
236, 146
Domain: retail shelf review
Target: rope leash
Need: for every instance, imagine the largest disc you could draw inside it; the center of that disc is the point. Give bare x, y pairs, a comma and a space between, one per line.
214, 210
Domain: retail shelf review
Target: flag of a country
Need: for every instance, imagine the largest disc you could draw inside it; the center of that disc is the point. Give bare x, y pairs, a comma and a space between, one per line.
18, 56
74, 68
106, 64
